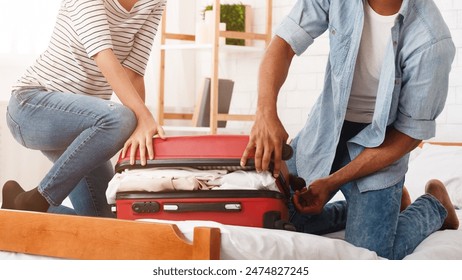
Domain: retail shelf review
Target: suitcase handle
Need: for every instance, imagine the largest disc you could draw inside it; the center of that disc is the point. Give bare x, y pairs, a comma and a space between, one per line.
287, 152
154, 207
202, 207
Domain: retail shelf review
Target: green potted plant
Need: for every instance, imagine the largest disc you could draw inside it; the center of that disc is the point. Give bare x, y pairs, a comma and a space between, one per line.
234, 17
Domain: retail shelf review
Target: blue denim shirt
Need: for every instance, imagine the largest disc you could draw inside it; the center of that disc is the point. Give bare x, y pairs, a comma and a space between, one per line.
412, 88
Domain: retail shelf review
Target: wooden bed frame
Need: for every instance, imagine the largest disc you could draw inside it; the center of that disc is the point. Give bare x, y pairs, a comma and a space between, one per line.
89, 238
441, 143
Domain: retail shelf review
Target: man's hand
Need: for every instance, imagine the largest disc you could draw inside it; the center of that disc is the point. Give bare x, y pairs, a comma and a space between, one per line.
369, 161
312, 199
266, 139
268, 135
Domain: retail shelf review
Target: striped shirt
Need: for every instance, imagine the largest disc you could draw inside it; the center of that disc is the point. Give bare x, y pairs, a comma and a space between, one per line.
86, 27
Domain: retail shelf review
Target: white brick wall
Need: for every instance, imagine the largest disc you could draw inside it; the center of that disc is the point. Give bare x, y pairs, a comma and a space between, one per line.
306, 76
450, 122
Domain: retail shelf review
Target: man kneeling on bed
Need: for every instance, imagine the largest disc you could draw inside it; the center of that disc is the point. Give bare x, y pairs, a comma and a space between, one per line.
386, 82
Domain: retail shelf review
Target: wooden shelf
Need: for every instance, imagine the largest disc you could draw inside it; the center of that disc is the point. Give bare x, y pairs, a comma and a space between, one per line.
214, 48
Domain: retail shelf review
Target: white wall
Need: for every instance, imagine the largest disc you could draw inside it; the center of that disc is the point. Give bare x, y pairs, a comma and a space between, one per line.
450, 122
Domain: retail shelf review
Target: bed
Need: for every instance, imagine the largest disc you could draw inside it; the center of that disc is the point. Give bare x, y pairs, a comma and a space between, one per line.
75, 237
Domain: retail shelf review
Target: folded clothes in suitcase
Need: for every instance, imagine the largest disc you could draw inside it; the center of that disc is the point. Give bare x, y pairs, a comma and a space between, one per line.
200, 178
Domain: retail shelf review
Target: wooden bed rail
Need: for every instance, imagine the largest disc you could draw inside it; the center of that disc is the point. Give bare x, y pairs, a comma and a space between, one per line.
89, 238
441, 143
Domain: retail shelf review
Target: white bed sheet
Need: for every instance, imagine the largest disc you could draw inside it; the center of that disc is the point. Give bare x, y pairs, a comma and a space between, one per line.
248, 243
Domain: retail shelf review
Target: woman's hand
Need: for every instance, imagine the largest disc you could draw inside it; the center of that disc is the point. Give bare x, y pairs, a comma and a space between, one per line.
141, 139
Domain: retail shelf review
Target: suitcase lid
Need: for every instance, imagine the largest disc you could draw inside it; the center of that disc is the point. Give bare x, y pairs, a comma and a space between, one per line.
199, 151
199, 146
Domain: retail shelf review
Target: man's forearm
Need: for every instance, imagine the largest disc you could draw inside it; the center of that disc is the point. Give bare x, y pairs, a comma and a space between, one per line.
371, 160
268, 134
272, 74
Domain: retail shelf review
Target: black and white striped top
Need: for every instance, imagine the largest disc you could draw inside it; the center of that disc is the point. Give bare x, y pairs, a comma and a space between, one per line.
86, 27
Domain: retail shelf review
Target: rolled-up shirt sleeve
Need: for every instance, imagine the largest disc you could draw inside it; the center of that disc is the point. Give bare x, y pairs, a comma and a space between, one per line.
424, 89
307, 20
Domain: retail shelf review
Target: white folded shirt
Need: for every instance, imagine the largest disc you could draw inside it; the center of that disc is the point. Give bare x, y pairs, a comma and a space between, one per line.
168, 179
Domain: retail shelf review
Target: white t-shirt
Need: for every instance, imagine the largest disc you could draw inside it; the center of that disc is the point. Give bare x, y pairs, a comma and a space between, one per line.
374, 41
84, 28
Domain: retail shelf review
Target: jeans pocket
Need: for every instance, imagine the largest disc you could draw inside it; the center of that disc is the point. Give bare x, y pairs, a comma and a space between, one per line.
14, 128
23, 95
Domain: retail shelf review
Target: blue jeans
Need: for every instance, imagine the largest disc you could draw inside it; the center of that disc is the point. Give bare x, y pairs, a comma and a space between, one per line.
372, 219
79, 134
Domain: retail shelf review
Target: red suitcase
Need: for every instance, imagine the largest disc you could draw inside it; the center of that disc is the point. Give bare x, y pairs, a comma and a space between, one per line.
255, 208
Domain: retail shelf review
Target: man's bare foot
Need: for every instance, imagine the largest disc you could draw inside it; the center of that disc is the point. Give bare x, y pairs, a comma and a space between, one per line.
405, 199
438, 190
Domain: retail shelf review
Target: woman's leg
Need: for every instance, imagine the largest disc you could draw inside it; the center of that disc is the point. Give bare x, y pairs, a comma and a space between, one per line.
88, 198
89, 130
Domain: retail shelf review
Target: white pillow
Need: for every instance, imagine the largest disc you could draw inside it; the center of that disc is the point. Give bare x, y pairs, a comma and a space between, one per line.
436, 162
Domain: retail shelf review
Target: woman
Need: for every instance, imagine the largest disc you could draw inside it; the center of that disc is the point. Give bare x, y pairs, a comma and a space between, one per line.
62, 107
